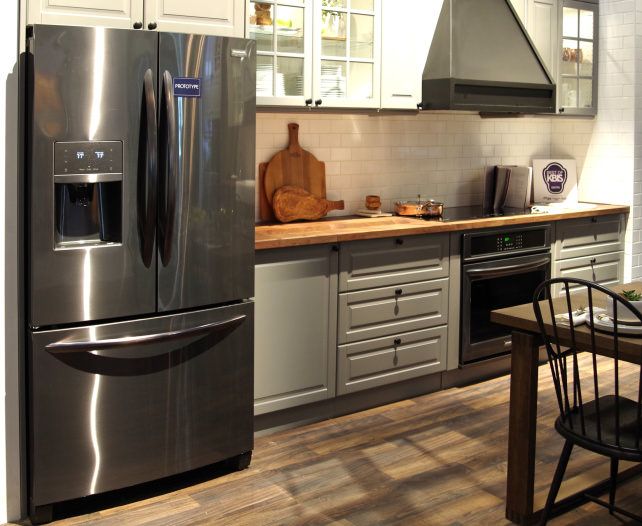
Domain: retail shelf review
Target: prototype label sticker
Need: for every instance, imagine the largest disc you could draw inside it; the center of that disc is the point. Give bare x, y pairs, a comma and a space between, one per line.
187, 87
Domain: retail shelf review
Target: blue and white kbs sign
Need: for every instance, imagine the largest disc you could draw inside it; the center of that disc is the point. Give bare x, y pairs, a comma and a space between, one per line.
554, 181
187, 87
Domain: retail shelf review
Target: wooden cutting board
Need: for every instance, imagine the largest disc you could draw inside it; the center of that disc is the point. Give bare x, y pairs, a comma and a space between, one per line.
265, 209
294, 166
291, 203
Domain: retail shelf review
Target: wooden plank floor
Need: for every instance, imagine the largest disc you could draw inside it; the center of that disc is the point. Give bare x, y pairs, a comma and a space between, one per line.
439, 459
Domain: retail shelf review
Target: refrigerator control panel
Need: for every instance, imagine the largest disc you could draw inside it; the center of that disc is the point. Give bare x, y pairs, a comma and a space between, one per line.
86, 157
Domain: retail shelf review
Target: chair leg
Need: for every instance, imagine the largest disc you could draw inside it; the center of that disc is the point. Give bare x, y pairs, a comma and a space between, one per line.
557, 481
614, 466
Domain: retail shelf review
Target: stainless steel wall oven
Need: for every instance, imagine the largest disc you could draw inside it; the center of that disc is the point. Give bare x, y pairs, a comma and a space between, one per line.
500, 268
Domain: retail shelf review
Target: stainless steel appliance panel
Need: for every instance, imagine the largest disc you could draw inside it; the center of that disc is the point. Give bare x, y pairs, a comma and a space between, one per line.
90, 85
206, 185
117, 404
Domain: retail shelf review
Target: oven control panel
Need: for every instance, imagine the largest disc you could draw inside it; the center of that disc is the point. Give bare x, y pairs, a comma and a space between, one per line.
485, 244
509, 242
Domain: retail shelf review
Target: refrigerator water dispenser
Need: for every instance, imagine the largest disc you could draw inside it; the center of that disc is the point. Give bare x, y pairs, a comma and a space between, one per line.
88, 193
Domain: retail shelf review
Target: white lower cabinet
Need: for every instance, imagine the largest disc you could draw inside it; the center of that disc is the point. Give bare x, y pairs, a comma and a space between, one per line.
295, 330
590, 248
382, 361
392, 316
605, 269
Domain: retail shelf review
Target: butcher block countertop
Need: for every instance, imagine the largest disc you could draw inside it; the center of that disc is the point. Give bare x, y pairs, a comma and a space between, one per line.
349, 228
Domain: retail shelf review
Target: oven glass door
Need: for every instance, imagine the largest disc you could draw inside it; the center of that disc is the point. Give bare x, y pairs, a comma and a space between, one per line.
491, 285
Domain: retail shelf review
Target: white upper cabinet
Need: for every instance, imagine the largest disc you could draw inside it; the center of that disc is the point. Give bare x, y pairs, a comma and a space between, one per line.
283, 33
110, 13
347, 53
565, 33
317, 52
212, 17
542, 26
577, 86
540, 18
521, 7
209, 17
405, 41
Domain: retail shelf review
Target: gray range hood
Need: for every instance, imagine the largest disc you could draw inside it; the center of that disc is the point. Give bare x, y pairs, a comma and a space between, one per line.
482, 59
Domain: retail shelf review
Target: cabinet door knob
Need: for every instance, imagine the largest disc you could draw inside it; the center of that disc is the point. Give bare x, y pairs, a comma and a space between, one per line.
561, 110
399, 241
138, 25
593, 261
420, 105
335, 248
594, 219
397, 341
399, 292
318, 102
308, 102
152, 25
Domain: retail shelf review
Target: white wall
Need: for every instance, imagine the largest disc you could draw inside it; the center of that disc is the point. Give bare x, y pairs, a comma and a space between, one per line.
9, 369
636, 230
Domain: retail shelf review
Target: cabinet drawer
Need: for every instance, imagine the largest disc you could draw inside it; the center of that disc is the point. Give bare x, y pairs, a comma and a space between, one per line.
390, 310
392, 261
588, 236
387, 360
605, 269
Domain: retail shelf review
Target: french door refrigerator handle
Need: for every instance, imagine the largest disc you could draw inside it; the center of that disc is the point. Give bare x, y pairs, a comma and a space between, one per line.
168, 169
507, 269
146, 339
148, 173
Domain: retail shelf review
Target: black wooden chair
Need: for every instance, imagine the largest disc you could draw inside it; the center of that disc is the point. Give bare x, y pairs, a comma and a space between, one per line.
595, 412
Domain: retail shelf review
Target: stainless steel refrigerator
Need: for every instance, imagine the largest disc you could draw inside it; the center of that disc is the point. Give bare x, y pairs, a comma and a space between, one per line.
140, 257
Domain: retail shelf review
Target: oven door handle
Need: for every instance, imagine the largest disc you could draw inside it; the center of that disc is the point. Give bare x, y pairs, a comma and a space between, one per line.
507, 269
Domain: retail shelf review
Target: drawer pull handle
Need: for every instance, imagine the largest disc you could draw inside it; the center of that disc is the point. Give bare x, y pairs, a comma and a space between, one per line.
594, 219
398, 292
399, 241
397, 341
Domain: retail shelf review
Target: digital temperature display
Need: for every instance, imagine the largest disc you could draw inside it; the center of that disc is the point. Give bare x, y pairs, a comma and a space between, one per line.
86, 157
509, 242
80, 154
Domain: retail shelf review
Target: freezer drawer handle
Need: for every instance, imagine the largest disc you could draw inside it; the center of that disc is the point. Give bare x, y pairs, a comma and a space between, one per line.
145, 339
168, 177
79, 355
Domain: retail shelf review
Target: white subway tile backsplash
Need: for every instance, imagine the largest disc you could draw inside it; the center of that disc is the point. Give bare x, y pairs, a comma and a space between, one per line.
439, 155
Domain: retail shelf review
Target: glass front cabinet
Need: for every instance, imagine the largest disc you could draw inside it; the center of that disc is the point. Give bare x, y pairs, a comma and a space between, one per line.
577, 80
317, 52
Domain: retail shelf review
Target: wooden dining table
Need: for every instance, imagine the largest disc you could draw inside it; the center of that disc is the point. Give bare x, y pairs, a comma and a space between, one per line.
525, 359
